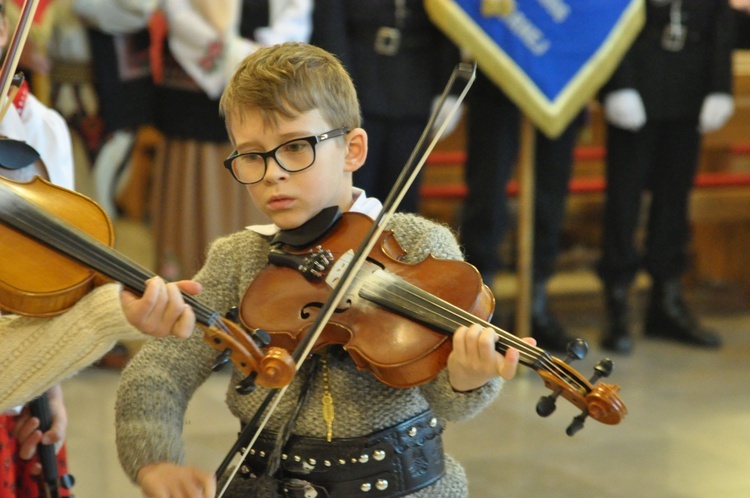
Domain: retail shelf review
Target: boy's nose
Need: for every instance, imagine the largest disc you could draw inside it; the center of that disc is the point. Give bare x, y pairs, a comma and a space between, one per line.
274, 171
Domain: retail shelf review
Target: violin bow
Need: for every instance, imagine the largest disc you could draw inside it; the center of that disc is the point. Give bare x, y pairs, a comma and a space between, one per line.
14, 51
38, 407
462, 72
50, 481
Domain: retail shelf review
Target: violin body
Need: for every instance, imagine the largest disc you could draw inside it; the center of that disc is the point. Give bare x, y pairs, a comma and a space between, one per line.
36, 280
399, 352
397, 319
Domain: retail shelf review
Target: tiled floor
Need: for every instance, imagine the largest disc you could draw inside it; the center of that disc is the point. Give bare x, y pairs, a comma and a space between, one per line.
687, 433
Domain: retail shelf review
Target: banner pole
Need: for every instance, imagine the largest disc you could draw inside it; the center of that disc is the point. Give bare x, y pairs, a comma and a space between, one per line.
525, 256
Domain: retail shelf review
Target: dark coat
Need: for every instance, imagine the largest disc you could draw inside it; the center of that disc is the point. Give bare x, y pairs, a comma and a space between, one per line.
396, 86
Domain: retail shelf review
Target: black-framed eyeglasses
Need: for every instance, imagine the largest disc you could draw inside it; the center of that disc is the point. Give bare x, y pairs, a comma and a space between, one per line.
293, 156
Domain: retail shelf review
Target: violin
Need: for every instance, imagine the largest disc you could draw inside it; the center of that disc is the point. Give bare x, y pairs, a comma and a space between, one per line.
396, 318
59, 243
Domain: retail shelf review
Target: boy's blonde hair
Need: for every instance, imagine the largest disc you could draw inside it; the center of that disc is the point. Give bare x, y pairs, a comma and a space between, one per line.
288, 80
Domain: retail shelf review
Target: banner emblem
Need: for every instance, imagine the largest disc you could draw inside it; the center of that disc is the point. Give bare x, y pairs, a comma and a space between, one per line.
549, 56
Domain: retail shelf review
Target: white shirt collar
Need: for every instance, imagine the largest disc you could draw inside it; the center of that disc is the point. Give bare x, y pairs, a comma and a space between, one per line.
362, 204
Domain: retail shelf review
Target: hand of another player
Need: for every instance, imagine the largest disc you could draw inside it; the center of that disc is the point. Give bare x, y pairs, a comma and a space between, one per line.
161, 310
26, 428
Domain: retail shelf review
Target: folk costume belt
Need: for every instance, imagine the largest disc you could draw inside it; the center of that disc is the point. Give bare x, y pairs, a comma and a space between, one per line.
386, 464
387, 40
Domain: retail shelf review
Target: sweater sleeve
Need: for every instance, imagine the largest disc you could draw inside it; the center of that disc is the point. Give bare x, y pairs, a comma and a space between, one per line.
37, 353
160, 380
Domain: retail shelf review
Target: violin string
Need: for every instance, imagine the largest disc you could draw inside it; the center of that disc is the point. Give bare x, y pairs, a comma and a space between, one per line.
457, 316
32, 220
386, 283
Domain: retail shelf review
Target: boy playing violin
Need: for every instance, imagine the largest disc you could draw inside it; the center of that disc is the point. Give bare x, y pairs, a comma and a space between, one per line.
292, 114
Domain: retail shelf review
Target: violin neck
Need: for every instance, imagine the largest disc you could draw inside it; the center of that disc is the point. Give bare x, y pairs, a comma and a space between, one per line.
394, 293
31, 220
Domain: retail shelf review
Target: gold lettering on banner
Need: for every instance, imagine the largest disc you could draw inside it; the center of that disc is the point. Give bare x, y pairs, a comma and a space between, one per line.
498, 8
531, 36
557, 9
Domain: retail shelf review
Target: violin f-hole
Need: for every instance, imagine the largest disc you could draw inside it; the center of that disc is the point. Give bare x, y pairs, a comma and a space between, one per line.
305, 314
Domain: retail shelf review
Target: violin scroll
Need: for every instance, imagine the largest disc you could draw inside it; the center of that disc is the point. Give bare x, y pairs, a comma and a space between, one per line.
273, 368
598, 401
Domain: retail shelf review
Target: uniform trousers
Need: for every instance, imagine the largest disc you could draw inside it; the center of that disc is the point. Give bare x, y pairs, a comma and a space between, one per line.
493, 142
661, 157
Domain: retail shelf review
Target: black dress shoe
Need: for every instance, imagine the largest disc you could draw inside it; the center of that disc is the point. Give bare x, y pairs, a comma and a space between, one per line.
667, 317
545, 327
548, 332
617, 336
617, 343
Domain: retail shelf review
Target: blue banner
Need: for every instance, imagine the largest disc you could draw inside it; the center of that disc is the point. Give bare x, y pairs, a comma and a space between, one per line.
548, 56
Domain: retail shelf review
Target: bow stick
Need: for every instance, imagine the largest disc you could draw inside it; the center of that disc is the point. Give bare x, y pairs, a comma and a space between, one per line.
252, 430
50, 481
14, 50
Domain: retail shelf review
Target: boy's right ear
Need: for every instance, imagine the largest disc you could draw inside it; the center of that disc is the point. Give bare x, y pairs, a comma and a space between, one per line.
356, 149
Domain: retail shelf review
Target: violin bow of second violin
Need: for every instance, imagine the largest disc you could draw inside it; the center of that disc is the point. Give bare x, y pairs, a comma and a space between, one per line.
51, 479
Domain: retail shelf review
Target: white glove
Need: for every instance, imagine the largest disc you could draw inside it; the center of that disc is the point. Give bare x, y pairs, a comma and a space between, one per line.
624, 109
450, 102
716, 111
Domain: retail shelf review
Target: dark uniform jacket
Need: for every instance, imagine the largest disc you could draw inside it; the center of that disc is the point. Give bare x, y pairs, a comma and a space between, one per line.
704, 61
397, 86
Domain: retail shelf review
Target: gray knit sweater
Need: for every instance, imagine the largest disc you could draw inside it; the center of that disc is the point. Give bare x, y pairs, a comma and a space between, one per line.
157, 384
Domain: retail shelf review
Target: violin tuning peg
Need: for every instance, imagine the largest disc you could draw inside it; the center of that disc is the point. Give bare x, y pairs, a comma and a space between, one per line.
603, 369
577, 424
261, 338
246, 385
221, 360
546, 405
577, 350
233, 314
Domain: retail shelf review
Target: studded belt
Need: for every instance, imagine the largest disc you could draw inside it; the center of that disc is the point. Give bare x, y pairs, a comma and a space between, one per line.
389, 463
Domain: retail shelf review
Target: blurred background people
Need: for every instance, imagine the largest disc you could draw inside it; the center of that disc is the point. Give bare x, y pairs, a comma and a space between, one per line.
400, 63
674, 85
493, 125
119, 43
194, 201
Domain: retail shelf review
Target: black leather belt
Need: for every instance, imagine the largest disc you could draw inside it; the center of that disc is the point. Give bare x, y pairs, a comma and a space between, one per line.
389, 463
387, 40
656, 32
